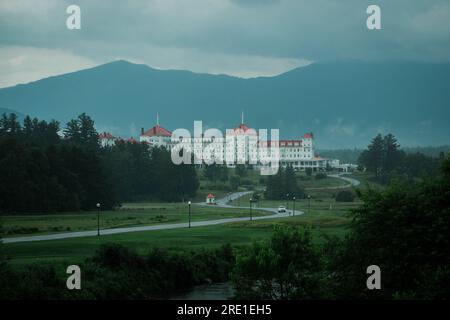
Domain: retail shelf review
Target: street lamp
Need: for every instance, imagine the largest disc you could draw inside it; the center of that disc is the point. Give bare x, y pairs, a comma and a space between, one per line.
189, 204
293, 204
251, 200
287, 202
309, 203
98, 219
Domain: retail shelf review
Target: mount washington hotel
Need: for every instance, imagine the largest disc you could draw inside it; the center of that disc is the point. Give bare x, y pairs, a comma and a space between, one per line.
297, 153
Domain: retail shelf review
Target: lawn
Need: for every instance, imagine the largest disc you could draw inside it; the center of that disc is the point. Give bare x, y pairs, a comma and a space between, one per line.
330, 222
367, 180
314, 203
328, 182
132, 214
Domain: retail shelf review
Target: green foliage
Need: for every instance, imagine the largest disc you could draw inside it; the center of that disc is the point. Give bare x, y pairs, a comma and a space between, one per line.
283, 185
286, 267
345, 196
404, 230
344, 155
139, 172
81, 132
116, 272
384, 158
42, 172
240, 170
308, 172
304, 178
215, 172
235, 182
320, 176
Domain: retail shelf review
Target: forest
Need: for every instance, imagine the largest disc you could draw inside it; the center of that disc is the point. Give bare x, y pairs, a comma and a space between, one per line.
46, 169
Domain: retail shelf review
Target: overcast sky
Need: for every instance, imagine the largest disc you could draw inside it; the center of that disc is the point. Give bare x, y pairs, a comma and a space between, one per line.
244, 38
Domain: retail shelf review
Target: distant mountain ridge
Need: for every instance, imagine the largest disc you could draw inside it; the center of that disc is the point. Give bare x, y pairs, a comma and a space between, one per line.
344, 103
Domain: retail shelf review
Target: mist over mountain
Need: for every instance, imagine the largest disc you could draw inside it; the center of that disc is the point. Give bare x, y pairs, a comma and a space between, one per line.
344, 103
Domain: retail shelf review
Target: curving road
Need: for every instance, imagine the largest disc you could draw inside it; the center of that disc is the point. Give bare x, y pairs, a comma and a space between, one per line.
220, 203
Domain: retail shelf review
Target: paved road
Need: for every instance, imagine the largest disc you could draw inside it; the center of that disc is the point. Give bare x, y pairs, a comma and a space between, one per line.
220, 203
223, 202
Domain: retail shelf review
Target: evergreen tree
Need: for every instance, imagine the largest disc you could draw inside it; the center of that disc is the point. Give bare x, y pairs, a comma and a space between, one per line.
240, 170
392, 156
274, 188
372, 157
291, 186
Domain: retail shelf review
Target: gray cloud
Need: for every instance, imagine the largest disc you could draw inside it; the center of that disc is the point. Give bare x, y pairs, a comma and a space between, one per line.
239, 37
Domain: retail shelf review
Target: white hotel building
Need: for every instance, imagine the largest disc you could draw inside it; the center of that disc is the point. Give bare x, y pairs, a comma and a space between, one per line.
296, 153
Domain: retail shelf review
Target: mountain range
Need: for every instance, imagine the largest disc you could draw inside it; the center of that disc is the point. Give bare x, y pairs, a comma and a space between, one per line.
343, 103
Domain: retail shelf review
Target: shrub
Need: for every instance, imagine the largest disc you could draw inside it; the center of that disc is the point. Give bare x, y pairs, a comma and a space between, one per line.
345, 196
320, 175
288, 266
304, 178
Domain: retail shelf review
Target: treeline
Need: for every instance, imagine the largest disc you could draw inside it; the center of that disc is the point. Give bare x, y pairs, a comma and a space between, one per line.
344, 155
44, 170
384, 158
137, 172
352, 155
283, 185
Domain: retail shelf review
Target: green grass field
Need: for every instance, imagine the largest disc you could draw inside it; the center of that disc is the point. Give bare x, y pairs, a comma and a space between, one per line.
328, 182
132, 214
238, 233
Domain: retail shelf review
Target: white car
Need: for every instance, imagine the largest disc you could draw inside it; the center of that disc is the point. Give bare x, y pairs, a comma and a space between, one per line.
281, 209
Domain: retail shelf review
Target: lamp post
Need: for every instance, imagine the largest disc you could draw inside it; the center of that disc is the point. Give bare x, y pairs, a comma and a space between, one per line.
189, 204
309, 203
293, 204
251, 200
287, 202
98, 219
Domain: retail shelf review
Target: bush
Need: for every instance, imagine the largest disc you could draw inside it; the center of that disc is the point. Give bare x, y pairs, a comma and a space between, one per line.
247, 183
320, 175
288, 266
345, 196
304, 178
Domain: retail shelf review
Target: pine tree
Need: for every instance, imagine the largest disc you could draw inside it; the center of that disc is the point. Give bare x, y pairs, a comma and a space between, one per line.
392, 156
372, 157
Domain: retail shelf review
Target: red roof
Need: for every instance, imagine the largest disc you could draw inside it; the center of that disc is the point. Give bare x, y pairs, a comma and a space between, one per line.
209, 196
132, 140
157, 131
106, 135
308, 135
242, 129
